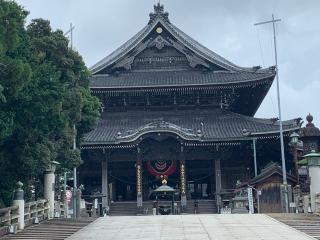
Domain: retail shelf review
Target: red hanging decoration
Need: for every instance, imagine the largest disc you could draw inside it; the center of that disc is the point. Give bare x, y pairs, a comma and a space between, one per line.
161, 167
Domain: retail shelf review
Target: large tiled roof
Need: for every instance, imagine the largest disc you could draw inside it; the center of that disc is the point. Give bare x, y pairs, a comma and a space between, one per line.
174, 78
194, 125
160, 17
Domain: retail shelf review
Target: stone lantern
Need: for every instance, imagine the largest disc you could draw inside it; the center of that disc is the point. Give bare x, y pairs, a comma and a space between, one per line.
313, 159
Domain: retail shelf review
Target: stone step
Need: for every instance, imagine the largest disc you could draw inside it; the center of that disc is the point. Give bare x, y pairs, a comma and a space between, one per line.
130, 208
51, 229
307, 223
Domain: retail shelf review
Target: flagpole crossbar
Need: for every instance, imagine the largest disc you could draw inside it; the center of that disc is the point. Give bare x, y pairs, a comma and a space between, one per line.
271, 21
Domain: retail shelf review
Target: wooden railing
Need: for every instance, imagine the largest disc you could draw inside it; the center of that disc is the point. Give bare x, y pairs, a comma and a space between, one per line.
36, 210
317, 203
9, 216
60, 210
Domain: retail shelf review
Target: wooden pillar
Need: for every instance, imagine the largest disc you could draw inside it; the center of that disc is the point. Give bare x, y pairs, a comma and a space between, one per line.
139, 178
217, 165
296, 164
105, 184
183, 182
254, 142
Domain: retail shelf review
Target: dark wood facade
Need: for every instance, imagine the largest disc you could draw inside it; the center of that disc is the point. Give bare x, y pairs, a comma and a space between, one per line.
169, 104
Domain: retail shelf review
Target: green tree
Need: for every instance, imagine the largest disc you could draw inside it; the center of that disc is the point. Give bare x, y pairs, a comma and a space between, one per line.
44, 92
14, 70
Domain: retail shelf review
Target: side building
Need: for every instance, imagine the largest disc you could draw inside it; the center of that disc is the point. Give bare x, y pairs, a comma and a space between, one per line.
174, 110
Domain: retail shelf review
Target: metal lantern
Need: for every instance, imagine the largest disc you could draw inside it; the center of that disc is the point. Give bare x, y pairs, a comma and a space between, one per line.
52, 166
294, 138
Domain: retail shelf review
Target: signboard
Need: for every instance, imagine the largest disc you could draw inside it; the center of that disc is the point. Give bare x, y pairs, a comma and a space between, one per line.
292, 204
250, 201
68, 196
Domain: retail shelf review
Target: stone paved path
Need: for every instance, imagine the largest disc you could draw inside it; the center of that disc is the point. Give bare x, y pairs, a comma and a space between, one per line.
193, 227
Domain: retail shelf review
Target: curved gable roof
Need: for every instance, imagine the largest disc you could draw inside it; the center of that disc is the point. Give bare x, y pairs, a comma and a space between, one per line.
161, 17
214, 125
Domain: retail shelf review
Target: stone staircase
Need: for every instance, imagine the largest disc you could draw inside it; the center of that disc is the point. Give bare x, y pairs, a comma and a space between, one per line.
130, 209
51, 229
307, 223
204, 207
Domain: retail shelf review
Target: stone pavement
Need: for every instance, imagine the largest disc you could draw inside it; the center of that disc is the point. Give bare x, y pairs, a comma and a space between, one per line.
193, 227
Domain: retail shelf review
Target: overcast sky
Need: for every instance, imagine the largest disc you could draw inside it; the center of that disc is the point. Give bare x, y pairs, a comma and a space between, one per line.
224, 26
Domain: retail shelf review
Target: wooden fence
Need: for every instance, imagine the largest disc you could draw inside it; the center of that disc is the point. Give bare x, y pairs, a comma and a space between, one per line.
38, 210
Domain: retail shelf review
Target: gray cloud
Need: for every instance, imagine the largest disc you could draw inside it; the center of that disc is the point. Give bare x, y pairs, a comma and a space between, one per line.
224, 26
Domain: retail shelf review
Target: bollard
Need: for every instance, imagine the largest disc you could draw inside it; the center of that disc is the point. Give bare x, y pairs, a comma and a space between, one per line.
18, 200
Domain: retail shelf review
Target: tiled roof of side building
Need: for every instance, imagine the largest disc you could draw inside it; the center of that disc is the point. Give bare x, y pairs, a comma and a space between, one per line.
174, 78
196, 125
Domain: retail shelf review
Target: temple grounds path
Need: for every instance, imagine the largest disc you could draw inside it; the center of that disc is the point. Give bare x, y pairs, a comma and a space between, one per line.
195, 227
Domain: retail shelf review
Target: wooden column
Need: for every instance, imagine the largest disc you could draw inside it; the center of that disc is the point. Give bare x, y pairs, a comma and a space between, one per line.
105, 182
254, 142
217, 165
296, 164
139, 178
183, 182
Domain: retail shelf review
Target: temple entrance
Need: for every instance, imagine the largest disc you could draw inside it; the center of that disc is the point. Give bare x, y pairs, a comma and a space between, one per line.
198, 190
155, 172
200, 179
160, 161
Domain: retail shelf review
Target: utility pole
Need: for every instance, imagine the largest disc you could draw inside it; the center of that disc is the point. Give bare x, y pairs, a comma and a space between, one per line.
70, 31
74, 194
283, 160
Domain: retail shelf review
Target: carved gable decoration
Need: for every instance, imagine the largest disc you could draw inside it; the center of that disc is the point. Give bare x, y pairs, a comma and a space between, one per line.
166, 58
161, 50
159, 42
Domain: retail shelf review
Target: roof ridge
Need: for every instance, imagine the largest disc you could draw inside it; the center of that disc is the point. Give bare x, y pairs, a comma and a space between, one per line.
116, 52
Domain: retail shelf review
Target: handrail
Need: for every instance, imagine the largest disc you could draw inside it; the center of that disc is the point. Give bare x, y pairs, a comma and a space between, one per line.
9, 216
37, 209
4, 210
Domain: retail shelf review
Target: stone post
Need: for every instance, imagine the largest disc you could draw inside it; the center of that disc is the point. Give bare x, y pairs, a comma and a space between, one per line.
286, 190
78, 202
183, 182
18, 200
217, 165
105, 184
314, 173
139, 179
49, 186
65, 200
296, 198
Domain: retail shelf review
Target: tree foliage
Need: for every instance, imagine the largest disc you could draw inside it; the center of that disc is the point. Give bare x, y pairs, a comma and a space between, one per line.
44, 92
